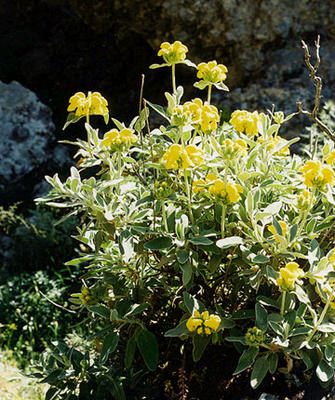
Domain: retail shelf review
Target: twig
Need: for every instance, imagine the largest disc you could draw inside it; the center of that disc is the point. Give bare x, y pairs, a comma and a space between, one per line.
55, 304
318, 88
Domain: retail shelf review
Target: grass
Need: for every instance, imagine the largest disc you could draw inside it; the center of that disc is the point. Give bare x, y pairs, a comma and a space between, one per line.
14, 385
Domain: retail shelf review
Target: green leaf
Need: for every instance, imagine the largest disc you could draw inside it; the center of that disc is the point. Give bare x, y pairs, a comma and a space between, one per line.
273, 209
260, 259
118, 124
273, 362
329, 352
238, 339
158, 243
130, 352
243, 314
247, 359
261, 368
148, 346
199, 345
136, 309
261, 317
109, 345
198, 240
214, 262
229, 242
103, 311
324, 372
187, 272
189, 302
293, 232
179, 330
159, 109
277, 227
51, 393
221, 86
155, 66
71, 118
266, 301
182, 256
201, 84
227, 323
304, 354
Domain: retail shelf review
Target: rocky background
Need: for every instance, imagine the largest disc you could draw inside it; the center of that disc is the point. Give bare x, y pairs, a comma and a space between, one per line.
53, 48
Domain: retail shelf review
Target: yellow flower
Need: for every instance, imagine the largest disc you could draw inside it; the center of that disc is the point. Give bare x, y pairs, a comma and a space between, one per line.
254, 336
198, 185
232, 149
85, 291
204, 323
245, 121
289, 275
331, 158
230, 192
193, 323
204, 115
303, 201
119, 139
209, 118
284, 229
92, 104
273, 142
317, 175
233, 192
212, 72
173, 53
195, 154
127, 136
179, 157
12, 326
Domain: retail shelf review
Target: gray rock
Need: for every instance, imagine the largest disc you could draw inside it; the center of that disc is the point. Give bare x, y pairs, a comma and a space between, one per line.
28, 144
26, 132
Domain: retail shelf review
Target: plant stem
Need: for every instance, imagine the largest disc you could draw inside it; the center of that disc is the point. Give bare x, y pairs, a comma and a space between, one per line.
223, 217
282, 306
188, 194
306, 213
174, 78
320, 320
164, 217
209, 93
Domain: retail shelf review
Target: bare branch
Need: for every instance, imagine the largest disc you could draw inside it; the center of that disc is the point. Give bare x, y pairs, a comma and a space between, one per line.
318, 88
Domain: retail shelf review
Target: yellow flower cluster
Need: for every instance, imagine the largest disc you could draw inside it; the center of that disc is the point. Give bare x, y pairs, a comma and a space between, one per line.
212, 72
162, 190
125, 137
273, 142
173, 53
284, 229
204, 115
232, 149
331, 158
289, 275
304, 200
85, 296
12, 326
178, 156
315, 174
92, 104
254, 336
245, 121
204, 323
229, 192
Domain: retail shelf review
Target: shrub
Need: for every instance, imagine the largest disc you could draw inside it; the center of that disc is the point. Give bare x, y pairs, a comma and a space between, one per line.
28, 321
198, 232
